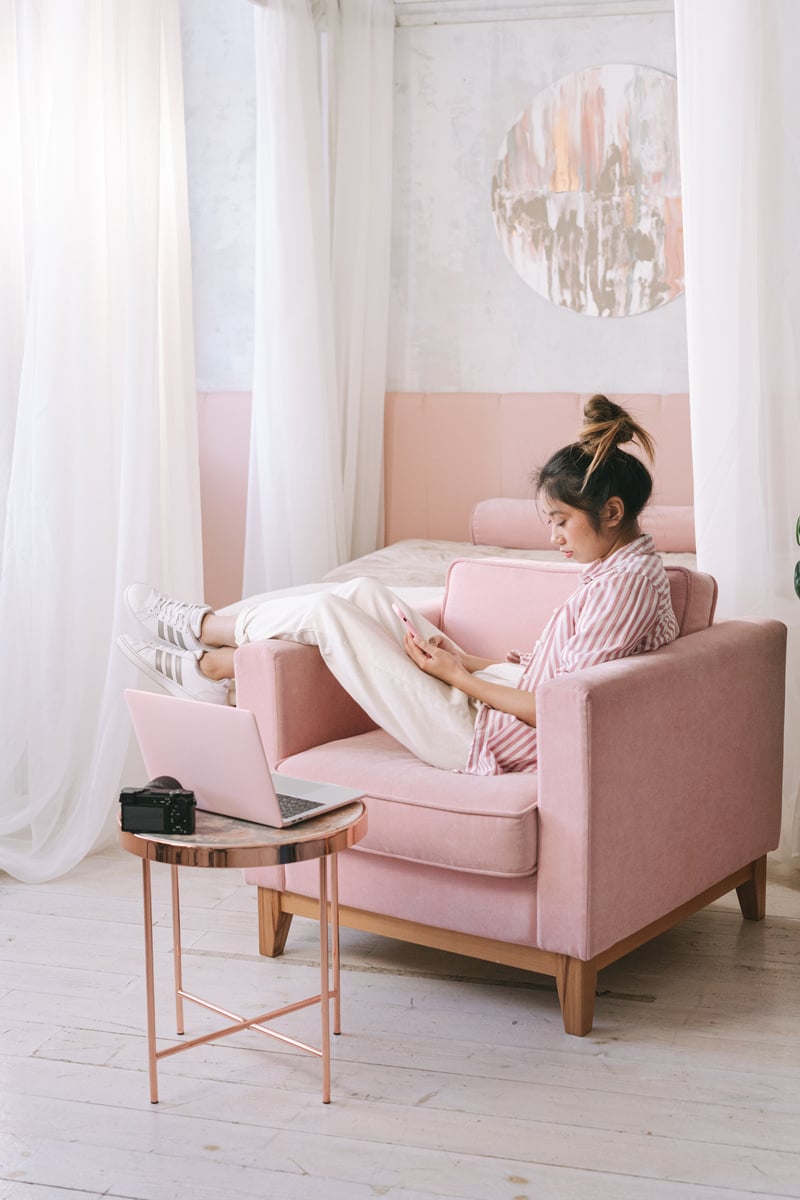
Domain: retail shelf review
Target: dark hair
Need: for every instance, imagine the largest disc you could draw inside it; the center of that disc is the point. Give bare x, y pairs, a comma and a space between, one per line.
588, 472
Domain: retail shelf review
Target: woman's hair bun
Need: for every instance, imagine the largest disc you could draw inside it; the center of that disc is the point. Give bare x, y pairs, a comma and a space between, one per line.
606, 426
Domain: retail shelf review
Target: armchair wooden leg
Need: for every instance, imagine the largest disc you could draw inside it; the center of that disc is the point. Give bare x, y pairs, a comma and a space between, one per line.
576, 982
273, 923
753, 894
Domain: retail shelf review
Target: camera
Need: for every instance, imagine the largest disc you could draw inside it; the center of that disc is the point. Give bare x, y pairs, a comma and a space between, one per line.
161, 806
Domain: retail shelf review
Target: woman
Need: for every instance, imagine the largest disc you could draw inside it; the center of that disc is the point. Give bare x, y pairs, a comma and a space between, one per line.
450, 708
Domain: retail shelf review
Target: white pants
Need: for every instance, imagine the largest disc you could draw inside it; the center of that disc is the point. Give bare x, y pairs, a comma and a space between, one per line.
361, 639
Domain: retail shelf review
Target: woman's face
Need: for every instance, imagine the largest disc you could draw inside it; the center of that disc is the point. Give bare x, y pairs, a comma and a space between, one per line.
574, 535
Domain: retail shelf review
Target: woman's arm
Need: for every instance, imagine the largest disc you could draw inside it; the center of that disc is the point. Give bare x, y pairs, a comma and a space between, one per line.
442, 664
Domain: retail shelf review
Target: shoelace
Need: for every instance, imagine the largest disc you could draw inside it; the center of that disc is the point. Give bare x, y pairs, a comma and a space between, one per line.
176, 612
174, 619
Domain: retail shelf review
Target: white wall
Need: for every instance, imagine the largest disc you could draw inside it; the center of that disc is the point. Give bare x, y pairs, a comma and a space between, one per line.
461, 319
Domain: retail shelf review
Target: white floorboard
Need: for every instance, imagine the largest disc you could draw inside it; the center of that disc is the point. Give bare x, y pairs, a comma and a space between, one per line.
452, 1078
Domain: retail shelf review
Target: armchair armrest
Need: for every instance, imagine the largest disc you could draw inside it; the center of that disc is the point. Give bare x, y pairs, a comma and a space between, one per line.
659, 776
297, 702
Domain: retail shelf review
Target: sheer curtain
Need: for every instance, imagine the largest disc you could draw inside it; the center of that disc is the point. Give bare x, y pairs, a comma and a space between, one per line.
739, 96
12, 263
322, 287
361, 141
98, 407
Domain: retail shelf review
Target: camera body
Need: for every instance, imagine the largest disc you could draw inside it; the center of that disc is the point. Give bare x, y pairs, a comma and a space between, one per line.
161, 806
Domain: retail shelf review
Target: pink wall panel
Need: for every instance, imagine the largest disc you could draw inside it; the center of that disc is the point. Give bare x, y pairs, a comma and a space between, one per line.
446, 451
531, 427
224, 440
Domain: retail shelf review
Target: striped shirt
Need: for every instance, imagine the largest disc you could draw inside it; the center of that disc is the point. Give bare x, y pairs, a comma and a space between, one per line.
621, 607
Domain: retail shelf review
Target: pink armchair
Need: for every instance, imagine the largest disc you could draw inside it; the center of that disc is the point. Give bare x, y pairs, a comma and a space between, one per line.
659, 789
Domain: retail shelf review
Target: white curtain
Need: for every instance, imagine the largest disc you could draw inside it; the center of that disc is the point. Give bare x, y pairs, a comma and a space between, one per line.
739, 99
98, 443
322, 287
12, 260
361, 141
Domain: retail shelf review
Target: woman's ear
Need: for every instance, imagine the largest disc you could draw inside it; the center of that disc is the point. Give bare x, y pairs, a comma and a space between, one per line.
613, 512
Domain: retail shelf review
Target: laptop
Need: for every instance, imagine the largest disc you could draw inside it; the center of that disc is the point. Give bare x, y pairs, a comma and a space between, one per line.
216, 751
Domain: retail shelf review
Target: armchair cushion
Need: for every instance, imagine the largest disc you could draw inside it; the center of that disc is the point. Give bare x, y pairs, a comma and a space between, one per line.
425, 815
492, 604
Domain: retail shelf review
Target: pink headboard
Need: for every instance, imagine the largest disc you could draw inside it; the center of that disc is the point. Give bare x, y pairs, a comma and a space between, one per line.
446, 451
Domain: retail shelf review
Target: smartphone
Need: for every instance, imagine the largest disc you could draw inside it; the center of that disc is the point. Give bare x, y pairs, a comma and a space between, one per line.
405, 620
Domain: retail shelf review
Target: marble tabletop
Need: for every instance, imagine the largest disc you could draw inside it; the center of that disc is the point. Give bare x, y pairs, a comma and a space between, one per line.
220, 841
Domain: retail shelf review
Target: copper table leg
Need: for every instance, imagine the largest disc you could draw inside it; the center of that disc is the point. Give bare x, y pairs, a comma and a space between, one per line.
324, 972
149, 982
337, 993
176, 950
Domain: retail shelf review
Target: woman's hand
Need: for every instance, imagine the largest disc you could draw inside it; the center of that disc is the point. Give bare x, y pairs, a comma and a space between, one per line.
435, 659
445, 643
443, 665
468, 662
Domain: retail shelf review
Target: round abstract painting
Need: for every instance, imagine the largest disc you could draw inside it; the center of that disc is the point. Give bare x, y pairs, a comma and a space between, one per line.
586, 195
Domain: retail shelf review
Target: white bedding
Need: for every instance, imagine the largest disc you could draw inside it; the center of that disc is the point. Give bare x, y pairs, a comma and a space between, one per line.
420, 563
416, 568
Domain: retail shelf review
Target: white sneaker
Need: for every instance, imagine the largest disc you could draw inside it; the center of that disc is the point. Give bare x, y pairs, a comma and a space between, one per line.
177, 671
171, 621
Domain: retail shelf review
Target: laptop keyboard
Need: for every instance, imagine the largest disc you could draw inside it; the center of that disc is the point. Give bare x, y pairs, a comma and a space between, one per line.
293, 806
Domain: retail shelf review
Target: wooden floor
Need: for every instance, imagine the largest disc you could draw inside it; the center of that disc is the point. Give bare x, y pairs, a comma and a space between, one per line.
451, 1079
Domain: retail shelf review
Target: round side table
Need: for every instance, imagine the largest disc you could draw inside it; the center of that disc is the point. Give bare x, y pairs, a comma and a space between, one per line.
224, 842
